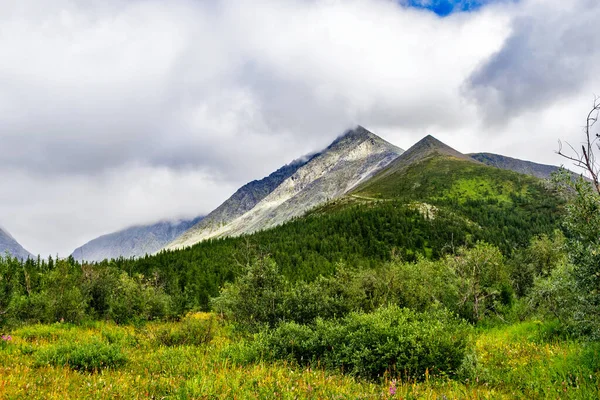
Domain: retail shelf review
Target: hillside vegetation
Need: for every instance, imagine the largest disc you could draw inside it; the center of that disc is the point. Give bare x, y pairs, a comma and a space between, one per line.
438, 278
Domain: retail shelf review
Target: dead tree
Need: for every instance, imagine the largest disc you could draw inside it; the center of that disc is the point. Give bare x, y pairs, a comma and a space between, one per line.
586, 159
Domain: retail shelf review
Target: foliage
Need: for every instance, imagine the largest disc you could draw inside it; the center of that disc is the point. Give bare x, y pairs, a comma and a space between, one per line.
538, 260
571, 292
557, 296
474, 283
256, 298
390, 340
135, 298
90, 357
191, 331
483, 280
510, 362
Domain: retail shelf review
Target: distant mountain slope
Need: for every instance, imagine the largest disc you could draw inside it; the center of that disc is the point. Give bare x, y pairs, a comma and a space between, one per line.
8, 243
541, 171
428, 203
348, 161
136, 241
245, 198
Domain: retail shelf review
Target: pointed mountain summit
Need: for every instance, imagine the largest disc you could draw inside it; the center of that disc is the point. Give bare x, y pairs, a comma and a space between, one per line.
425, 148
349, 160
10, 245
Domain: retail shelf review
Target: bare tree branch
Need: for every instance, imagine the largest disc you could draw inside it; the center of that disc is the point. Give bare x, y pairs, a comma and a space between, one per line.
586, 160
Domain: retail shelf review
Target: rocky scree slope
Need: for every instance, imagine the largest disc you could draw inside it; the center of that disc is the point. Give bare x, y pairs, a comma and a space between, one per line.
10, 245
351, 159
244, 199
541, 171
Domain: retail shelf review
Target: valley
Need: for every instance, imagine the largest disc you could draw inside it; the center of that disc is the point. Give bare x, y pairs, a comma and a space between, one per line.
443, 261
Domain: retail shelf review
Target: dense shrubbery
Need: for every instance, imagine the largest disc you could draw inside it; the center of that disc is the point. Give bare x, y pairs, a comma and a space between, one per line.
474, 283
569, 290
190, 331
89, 357
390, 340
65, 291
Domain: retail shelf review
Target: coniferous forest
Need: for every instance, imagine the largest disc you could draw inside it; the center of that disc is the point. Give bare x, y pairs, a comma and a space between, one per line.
479, 284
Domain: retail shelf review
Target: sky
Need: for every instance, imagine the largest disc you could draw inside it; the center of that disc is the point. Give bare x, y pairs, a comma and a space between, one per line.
122, 112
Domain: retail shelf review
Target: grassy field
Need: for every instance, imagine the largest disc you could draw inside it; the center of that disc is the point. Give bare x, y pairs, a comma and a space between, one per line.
195, 359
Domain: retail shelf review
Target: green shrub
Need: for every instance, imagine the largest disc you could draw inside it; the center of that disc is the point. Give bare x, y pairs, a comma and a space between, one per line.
256, 298
590, 357
34, 333
33, 308
89, 357
394, 340
135, 299
118, 335
190, 332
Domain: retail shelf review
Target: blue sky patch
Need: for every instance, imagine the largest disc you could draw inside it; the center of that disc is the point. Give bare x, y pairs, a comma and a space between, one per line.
447, 7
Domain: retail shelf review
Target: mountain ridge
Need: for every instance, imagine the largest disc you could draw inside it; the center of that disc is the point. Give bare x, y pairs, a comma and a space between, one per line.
294, 189
542, 171
350, 159
9, 244
134, 241
424, 148
246, 197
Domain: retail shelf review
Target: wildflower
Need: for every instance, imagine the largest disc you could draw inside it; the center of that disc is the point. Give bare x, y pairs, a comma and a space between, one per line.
393, 388
6, 338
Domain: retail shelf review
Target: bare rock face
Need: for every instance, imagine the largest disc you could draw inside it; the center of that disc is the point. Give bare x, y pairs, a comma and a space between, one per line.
541, 171
136, 241
9, 245
351, 159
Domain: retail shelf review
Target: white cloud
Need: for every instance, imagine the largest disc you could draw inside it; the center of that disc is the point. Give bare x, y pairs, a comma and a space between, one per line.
120, 112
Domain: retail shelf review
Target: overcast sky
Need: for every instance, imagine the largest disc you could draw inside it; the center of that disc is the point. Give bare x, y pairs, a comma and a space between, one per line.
121, 112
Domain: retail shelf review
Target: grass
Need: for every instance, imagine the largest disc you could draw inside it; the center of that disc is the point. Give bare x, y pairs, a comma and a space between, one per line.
460, 180
512, 362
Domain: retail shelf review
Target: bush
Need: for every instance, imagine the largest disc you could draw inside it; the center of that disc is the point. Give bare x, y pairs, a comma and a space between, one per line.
30, 309
191, 332
135, 299
399, 341
118, 335
256, 298
35, 333
89, 357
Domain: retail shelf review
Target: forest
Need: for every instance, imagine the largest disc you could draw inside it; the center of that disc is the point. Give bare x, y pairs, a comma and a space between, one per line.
466, 291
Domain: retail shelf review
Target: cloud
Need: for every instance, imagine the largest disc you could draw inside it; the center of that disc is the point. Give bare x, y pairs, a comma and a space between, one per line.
116, 112
551, 54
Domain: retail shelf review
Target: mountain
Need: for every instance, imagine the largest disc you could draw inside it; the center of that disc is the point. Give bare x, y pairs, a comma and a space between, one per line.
425, 148
351, 159
136, 241
246, 197
10, 245
541, 171
428, 202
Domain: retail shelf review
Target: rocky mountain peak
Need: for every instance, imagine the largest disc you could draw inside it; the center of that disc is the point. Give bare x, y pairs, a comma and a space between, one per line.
350, 159
355, 136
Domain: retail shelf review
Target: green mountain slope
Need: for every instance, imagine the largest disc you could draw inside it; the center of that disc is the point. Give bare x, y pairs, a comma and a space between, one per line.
434, 202
509, 206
